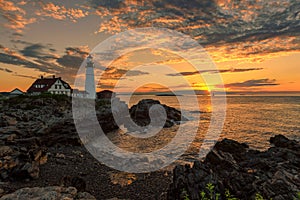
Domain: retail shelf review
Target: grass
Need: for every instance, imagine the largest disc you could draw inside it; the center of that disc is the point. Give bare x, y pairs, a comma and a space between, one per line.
213, 195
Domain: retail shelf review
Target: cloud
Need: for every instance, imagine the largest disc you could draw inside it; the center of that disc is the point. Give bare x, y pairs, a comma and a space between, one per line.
232, 70
6, 70
117, 72
83, 50
20, 61
60, 12
19, 15
70, 61
112, 74
74, 56
37, 51
14, 15
17, 22
16, 74
25, 76
109, 4
41, 57
240, 29
253, 83
20, 41
38, 56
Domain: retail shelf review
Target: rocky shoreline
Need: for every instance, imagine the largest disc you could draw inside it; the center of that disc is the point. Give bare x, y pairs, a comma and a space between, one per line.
244, 172
42, 156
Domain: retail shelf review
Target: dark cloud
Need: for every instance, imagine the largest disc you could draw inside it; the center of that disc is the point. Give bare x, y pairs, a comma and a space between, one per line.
232, 70
106, 86
130, 72
113, 73
16, 60
184, 4
21, 42
253, 83
6, 70
25, 76
77, 50
70, 61
35, 56
73, 58
108, 4
109, 86
33, 50
37, 51
17, 34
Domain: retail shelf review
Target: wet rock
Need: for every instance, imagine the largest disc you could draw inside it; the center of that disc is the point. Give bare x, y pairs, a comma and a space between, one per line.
53, 192
282, 141
140, 113
244, 172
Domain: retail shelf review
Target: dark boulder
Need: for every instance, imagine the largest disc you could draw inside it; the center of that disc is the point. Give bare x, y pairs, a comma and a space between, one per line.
140, 113
282, 141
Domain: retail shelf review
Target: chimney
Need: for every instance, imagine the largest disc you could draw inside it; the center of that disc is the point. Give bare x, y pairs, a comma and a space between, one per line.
42, 77
53, 76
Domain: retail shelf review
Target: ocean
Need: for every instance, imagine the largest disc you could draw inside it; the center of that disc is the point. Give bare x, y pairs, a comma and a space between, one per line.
249, 119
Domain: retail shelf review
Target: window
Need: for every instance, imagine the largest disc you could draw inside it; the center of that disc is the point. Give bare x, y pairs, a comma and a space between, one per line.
59, 86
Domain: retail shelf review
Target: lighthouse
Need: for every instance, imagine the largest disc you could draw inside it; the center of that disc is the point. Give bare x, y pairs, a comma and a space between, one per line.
90, 78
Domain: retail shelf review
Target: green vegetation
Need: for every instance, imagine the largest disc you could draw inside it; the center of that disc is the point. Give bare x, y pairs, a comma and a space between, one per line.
27, 100
298, 196
211, 194
184, 195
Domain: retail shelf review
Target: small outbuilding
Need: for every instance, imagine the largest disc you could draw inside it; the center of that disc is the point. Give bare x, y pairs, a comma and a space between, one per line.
16, 92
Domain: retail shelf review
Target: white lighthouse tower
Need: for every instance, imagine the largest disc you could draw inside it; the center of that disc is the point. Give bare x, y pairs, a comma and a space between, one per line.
90, 78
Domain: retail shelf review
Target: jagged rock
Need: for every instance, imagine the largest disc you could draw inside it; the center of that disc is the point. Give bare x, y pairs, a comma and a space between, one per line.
21, 164
282, 141
140, 113
244, 172
191, 180
52, 192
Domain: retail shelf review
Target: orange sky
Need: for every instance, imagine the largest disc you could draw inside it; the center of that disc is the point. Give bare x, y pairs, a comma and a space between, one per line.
251, 53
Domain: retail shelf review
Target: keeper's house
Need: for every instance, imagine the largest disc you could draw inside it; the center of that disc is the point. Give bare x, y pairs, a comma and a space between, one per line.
51, 85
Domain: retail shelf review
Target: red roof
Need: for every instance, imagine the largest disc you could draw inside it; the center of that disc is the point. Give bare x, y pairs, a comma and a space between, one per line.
47, 82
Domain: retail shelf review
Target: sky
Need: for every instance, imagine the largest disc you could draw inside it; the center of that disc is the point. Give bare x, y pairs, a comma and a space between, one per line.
254, 44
